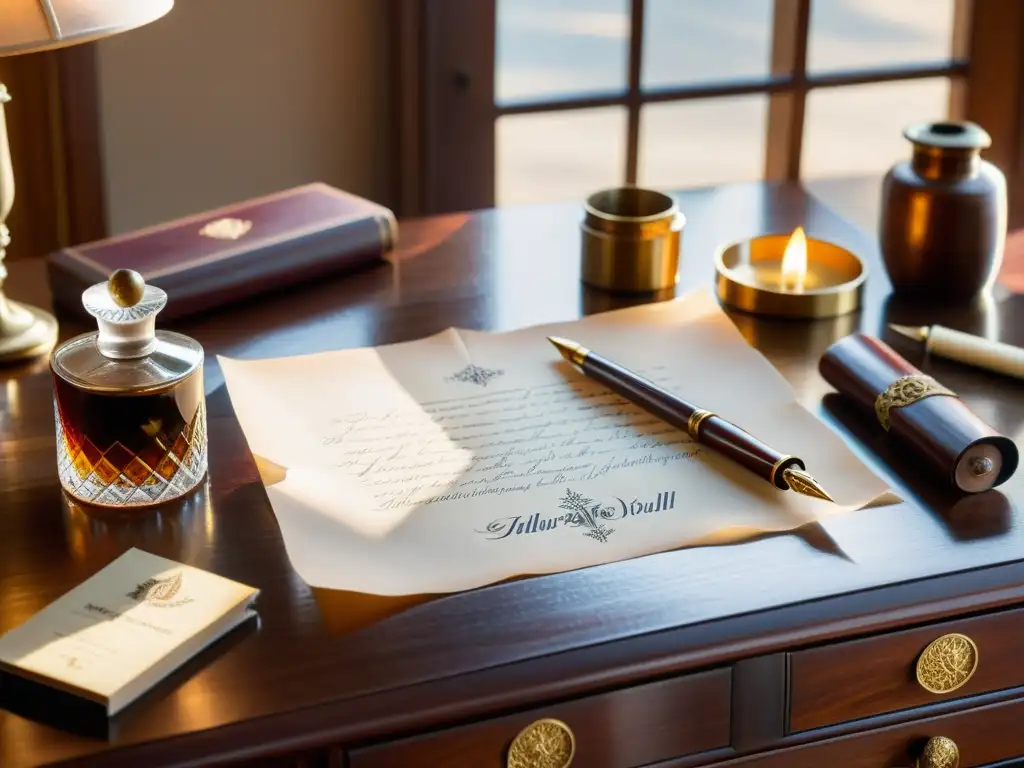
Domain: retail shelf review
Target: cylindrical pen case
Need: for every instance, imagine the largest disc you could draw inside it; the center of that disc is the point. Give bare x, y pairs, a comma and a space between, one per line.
926, 417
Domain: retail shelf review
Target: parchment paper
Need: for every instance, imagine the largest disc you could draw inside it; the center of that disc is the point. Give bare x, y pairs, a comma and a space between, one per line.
466, 458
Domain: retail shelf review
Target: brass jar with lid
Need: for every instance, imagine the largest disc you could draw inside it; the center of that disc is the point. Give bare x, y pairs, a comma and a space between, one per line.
129, 402
631, 241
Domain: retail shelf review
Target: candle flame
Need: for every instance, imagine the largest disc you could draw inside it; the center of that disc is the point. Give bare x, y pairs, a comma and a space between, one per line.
794, 261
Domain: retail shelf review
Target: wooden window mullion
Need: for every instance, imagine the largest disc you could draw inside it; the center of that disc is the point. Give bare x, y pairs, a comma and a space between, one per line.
773, 85
456, 107
784, 144
407, 24
634, 96
995, 87
960, 50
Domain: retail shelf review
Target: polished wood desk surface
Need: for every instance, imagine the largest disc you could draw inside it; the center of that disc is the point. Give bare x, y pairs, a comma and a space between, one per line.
325, 669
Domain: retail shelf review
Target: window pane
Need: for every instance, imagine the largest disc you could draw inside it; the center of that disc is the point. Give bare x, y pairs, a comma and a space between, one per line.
696, 143
560, 47
858, 129
702, 41
551, 156
861, 34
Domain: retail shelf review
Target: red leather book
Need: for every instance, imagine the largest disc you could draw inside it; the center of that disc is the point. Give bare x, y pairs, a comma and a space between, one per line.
236, 252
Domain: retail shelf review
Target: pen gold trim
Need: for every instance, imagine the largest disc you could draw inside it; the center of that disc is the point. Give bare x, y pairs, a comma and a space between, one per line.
706, 427
697, 418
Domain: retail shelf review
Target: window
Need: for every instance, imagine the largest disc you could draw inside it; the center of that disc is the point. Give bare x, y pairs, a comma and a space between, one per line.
522, 101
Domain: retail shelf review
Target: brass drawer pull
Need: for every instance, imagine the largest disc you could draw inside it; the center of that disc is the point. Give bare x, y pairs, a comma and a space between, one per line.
544, 743
939, 752
947, 663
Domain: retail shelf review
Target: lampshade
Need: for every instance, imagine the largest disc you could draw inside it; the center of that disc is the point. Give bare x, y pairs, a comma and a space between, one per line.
37, 25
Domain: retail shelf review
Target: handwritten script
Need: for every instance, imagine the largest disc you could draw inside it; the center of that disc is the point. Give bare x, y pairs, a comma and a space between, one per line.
499, 443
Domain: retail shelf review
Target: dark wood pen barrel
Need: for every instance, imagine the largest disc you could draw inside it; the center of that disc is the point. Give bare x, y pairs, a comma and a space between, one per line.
713, 431
639, 391
747, 450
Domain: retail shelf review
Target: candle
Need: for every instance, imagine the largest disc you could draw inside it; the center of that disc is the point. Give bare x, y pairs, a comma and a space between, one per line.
790, 275
770, 276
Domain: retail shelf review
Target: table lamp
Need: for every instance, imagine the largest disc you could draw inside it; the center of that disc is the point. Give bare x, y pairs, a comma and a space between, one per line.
27, 26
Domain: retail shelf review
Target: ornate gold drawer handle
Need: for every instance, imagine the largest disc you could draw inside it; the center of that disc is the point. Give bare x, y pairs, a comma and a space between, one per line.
947, 663
939, 752
543, 743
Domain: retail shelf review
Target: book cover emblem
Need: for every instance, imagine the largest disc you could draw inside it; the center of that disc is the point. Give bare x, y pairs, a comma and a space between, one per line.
160, 593
226, 229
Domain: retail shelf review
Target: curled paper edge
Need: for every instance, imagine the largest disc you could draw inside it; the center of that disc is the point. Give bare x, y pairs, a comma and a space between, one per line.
270, 473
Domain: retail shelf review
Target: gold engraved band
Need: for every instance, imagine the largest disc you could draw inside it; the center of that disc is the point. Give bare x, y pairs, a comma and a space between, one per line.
905, 391
697, 418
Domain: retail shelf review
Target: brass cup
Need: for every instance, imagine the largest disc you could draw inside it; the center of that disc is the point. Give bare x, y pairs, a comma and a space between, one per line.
631, 240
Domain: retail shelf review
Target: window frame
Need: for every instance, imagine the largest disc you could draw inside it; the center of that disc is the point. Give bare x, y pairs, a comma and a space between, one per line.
447, 110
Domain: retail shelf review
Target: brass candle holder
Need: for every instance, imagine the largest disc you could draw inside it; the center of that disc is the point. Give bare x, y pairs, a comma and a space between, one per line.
789, 276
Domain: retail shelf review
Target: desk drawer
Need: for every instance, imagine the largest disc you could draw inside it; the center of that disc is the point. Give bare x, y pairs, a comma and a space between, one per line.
860, 678
622, 729
983, 736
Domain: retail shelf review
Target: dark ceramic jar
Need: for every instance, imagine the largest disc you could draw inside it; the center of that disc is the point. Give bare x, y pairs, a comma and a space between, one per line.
943, 221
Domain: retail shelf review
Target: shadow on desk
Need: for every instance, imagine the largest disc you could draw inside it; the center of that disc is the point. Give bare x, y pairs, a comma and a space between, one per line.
83, 717
345, 612
968, 517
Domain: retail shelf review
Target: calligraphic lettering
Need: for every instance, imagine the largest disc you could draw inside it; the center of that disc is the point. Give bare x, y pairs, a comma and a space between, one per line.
581, 512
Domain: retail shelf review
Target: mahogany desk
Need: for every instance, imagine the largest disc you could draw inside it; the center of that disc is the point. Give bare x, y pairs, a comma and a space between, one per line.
793, 650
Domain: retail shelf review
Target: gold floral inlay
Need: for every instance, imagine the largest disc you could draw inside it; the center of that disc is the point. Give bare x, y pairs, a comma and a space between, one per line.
939, 752
543, 744
906, 391
947, 663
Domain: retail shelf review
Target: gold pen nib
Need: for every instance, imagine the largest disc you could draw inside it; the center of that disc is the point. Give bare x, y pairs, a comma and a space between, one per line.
570, 350
801, 482
917, 333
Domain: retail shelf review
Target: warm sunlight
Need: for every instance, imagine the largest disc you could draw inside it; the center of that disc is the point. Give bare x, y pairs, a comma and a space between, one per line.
794, 261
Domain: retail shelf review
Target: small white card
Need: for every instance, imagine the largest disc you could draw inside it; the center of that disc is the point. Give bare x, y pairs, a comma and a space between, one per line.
125, 628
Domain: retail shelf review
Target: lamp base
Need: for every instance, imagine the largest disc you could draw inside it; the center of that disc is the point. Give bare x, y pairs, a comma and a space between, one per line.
25, 331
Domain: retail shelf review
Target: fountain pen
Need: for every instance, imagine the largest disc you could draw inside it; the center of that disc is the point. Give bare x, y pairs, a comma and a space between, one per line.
787, 473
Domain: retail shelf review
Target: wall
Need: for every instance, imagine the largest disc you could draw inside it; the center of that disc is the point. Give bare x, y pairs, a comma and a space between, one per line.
222, 100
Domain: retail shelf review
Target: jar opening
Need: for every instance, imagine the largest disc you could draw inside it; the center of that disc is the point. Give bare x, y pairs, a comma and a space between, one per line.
948, 129
949, 135
630, 203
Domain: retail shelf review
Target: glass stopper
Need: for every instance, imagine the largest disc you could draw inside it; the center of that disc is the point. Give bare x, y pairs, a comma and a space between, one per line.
125, 309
